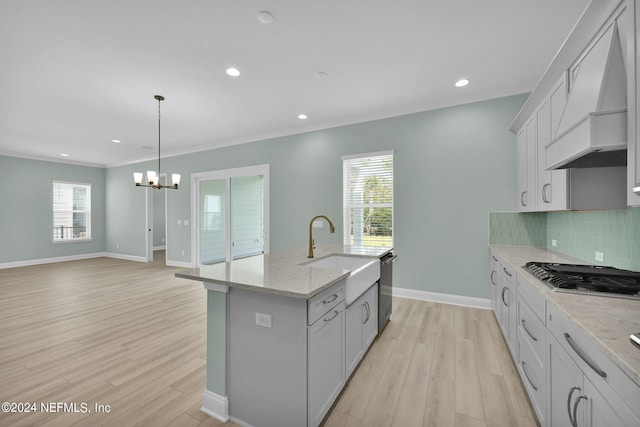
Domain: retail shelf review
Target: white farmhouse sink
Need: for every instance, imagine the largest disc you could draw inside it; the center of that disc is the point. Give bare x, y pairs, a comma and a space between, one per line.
364, 273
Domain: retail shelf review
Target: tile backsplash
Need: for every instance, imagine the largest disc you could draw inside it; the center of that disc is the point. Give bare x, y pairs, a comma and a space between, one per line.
580, 234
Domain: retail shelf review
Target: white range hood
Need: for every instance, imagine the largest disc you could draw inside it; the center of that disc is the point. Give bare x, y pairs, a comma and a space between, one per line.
592, 131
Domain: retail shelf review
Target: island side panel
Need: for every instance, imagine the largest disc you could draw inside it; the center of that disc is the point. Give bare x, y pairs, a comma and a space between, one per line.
217, 342
267, 366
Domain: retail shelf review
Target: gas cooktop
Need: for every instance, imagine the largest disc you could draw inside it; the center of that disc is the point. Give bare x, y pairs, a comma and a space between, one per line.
588, 279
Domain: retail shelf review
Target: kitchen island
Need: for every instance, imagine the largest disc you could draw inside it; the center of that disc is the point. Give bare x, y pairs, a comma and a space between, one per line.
277, 329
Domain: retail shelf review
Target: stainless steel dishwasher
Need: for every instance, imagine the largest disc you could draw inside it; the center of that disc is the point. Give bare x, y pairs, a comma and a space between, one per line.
385, 287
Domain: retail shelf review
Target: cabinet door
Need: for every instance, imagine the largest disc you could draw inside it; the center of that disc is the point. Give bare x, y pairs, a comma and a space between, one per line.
508, 314
326, 370
370, 322
564, 386
494, 283
597, 411
523, 195
354, 347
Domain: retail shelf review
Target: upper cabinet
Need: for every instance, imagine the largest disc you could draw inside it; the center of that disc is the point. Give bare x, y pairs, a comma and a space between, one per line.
577, 143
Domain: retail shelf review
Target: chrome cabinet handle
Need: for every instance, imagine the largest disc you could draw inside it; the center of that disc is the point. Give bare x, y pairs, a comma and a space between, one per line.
494, 258
544, 193
332, 298
575, 409
507, 272
573, 389
503, 301
522, 202
492, 277
335, 314
584, 357
524, 326
526, 374
366, 306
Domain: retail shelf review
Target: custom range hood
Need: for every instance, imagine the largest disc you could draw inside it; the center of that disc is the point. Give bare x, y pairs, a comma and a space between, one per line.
592, 131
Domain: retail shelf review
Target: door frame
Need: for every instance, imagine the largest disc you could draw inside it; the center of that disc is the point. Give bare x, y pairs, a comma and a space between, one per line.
149, 220
262, 169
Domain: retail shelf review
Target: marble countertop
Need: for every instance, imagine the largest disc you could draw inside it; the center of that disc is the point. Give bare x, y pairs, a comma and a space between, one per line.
608, 322
284, 273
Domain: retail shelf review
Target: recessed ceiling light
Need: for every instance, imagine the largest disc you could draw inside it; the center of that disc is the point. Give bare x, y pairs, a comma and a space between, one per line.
147, 147
462, 83
117, 141
321, 75
265, 17
302, 116
64, 155
233, 72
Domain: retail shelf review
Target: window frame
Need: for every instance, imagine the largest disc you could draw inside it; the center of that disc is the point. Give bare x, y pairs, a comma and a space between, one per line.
87, 211
347, 207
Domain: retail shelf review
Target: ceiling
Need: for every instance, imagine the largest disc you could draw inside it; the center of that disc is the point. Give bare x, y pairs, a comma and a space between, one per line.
77, 74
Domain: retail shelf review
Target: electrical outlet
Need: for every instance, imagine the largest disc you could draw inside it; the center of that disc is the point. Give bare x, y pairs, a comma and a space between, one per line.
185, 222
599, 256
183, 252
263, 320
179, 222
554, 242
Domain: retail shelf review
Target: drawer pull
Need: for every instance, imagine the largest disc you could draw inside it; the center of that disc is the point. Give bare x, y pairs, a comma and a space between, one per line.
524, 325
335, 314
503, 301
526, 374
332, 298
571, 420
584, 357
507, 272
366, 306
493, 277
494, 258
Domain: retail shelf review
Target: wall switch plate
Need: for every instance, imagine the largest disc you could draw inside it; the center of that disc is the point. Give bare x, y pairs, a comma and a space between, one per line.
263, 320
554, 242
599, 256
186, 222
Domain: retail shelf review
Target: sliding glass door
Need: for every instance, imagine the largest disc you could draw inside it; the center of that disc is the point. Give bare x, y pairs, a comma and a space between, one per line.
232, 214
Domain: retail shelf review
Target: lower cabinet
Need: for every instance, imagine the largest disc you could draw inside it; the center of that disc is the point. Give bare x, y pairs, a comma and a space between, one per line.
362, 327
326, 367
507, 314
574, 400
494, 281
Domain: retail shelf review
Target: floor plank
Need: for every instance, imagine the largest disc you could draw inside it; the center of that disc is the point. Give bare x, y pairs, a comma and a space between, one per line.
132, 336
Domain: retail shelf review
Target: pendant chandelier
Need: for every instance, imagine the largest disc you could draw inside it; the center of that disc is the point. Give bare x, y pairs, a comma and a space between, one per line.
153, 178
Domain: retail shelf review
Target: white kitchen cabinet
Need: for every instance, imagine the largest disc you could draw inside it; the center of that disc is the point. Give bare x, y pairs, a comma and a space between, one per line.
585, 387
362, 327
494, 282
531, 339
631, 35
507, 313
526, 167
326, 368
551, 185
574, 400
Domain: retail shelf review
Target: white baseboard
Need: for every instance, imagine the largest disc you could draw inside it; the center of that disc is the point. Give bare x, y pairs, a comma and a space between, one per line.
182, 264
442, 298
159, 248
29, 262
215, 406
126, 257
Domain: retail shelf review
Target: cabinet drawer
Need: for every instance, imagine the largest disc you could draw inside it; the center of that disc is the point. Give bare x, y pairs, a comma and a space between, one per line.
533, 377
532, 330
325, 301
534, 298
602, 372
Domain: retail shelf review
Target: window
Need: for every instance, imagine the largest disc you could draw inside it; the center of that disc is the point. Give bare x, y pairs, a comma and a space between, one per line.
71, 211
368, 199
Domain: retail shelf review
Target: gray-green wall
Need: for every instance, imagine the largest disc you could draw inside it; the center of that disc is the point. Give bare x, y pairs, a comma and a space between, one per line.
26, 219
452, 166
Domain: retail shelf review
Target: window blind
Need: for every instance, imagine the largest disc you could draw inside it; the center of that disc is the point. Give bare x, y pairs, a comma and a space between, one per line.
368, 200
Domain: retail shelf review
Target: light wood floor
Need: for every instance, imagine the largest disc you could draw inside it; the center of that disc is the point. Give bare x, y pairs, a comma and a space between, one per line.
132, 336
